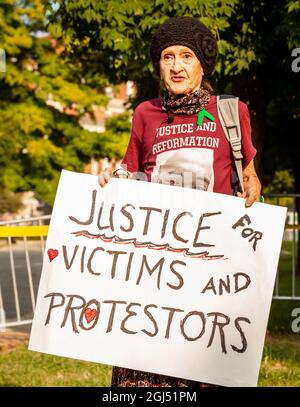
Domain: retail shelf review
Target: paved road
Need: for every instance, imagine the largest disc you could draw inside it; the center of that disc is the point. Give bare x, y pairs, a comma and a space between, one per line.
6, 282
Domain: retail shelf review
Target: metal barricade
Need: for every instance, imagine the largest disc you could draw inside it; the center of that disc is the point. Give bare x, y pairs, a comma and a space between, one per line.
287, 285
22, 247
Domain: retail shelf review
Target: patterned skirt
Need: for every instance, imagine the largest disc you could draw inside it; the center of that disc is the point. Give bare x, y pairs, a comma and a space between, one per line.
122, 377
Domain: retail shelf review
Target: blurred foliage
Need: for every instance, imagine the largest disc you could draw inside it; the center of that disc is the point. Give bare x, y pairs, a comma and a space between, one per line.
283, 182
115, 139
116, 33
264, 33
113, 36
37, 140
9, 202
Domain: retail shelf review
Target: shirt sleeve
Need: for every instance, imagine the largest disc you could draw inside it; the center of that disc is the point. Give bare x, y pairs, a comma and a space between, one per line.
132, 161
248, 150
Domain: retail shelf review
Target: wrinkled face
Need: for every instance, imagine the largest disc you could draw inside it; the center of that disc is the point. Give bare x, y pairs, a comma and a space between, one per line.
180, 70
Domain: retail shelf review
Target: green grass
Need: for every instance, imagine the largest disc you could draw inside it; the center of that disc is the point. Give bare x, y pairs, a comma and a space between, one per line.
281, 361
22, 367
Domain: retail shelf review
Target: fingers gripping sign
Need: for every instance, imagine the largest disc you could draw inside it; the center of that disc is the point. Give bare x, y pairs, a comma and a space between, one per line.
252, 186
104, 176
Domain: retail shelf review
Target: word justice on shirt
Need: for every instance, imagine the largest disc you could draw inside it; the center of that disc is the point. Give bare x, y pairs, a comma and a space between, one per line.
195, 140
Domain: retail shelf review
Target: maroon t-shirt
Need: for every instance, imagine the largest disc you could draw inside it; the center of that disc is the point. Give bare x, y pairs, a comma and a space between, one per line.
179, 152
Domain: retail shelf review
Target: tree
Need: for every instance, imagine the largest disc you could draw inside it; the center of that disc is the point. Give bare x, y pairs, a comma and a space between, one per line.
115, 138
37, 139
257, 67
9, 202
113, 36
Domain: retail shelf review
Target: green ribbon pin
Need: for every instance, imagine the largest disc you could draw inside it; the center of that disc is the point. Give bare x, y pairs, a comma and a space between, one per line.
204, 113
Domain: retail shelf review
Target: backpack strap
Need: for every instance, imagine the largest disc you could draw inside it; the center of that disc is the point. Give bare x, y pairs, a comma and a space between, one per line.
228, 110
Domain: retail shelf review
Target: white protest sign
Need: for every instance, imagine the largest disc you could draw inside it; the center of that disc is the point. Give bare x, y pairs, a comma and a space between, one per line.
158, 278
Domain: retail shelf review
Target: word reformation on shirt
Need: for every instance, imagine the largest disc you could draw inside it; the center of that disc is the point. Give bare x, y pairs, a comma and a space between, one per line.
192, 141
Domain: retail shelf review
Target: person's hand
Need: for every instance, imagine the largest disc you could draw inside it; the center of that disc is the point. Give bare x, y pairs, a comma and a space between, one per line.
104, 177
252, 185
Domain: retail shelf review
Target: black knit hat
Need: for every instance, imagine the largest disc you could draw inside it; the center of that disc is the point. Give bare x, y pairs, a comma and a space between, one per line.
188, 31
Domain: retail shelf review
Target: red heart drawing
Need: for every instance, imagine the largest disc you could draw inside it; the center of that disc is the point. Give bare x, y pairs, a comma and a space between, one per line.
52, 253
90, 314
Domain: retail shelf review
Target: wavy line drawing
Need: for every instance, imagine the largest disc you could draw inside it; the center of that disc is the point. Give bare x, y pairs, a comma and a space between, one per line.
149, 245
